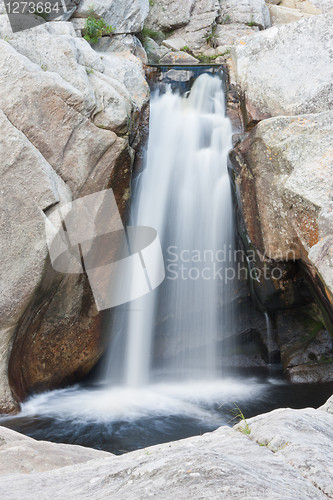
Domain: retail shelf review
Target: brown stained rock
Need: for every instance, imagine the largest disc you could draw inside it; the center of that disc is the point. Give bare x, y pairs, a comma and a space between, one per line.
283, 174
282, 183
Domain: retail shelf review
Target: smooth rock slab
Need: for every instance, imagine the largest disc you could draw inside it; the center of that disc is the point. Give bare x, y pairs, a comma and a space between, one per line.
24, 455
303, 438
287, 69
222, 464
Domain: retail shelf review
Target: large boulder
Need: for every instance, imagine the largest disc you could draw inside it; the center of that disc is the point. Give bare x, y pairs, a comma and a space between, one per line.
289, 162
252, 12
199, 29
276, 80
124, 16
283, 454
70, 118
285, 15
167, 15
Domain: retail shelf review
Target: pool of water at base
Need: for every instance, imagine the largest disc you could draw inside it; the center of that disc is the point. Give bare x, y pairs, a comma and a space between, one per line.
120, 419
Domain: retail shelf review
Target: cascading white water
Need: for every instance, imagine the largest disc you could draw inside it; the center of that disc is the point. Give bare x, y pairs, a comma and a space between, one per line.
184, 193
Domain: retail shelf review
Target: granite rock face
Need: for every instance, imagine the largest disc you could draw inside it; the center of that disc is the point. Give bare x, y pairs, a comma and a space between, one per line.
283, 173
167, 15
72, 118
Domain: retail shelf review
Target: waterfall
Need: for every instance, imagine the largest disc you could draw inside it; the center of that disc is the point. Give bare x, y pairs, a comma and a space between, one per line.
184, 193
166, 376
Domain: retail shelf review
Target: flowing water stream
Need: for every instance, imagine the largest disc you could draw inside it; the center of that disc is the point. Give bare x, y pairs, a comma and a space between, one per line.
184, 193
163, 378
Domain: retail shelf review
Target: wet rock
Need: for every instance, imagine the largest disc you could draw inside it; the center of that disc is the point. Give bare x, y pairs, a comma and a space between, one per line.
277, 81
312, 374
306, 346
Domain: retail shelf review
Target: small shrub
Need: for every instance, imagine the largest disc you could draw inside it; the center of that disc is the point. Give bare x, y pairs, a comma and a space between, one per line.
212, 39
95, 28
226, 19
186, 48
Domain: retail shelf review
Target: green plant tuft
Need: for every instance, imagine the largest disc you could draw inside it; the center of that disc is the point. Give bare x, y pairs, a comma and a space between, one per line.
212, 39
186, 48
244, 428
95, 28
